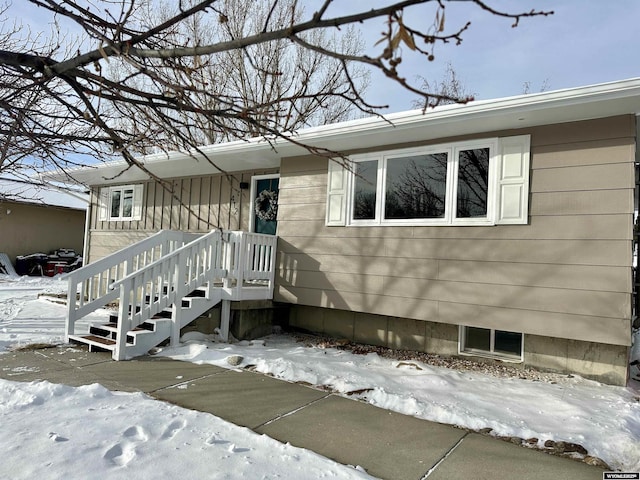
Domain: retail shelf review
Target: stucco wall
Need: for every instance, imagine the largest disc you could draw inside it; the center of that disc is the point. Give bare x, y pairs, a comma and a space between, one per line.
28, 228
566, 274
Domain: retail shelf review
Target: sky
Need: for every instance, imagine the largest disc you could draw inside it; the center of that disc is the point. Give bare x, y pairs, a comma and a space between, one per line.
584, 42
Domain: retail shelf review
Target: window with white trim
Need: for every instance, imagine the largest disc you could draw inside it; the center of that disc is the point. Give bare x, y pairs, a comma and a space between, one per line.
121, 203
491, 343
480, 182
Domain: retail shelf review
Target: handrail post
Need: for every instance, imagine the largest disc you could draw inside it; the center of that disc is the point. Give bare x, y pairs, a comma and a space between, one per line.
176, 314
70, 324
272, 266
228, 252
243, 245
123, 321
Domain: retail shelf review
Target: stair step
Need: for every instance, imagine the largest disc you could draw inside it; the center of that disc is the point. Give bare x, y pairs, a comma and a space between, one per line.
94, 341
198, 292
151, 332
101, 340
163, 314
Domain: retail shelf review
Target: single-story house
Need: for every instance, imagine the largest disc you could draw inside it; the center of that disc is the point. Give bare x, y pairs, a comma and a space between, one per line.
500, 229
38, 219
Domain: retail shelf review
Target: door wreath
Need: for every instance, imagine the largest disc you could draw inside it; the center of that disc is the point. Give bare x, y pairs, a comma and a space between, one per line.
266, 205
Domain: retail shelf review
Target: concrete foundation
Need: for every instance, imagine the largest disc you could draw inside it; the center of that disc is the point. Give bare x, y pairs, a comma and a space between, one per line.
392, 332
596, 361
601, 362
249, 319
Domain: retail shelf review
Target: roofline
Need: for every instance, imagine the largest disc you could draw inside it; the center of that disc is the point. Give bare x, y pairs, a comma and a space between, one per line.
442, 114
558, 106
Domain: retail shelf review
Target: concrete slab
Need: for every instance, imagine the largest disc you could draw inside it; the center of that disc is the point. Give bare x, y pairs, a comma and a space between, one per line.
147, 374
28, 366
55, 365
76, 355
484, 458
386, 444
244, 398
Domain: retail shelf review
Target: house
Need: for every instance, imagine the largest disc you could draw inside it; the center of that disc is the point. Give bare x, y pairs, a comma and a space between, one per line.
500, 229
35, 219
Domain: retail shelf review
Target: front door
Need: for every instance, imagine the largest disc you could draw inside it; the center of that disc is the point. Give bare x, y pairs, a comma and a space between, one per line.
264, 205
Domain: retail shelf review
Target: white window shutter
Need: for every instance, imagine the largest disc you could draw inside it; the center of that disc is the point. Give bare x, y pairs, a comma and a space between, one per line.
513, 180
138, 190
103, 204
336, 195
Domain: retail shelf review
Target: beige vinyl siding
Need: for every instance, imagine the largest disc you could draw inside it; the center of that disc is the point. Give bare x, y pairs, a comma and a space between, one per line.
197, 204
566, 274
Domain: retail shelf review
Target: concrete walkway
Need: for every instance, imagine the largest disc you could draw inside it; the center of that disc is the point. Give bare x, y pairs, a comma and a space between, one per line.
387, 444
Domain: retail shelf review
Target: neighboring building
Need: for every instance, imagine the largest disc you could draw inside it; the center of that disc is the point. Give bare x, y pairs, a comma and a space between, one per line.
499, 229
39, 220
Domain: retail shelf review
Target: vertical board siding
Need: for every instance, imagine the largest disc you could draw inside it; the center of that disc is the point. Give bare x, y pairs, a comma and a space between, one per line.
527, 278
197, 204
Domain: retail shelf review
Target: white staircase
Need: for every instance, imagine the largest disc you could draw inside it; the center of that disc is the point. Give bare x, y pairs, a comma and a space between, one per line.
165, 282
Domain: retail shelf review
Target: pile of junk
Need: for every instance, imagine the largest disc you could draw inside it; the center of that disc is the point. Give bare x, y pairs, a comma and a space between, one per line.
59, 261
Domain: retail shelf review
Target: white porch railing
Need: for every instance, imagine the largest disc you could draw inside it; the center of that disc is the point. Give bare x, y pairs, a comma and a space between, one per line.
250, 258
158, 272
90, 286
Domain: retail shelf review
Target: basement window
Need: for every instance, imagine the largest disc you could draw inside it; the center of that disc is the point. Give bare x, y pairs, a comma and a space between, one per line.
491, 343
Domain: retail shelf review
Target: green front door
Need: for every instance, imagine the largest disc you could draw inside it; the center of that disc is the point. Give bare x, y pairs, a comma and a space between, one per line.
265, 206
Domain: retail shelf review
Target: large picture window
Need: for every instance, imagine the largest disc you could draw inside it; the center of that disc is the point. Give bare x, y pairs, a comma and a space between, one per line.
478, 182
415, 186
449, 184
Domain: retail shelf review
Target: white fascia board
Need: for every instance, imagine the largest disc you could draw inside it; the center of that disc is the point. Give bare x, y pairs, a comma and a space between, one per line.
523, 111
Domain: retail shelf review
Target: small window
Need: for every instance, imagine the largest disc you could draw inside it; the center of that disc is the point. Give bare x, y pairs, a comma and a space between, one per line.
121, 203
364, 190
489, 342
473, 183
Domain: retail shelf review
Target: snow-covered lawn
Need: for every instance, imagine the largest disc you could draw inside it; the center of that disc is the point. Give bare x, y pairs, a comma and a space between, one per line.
603, 419
56, 431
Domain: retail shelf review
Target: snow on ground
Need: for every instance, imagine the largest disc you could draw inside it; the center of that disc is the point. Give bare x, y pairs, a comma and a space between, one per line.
56, 431
25, 319
602, 418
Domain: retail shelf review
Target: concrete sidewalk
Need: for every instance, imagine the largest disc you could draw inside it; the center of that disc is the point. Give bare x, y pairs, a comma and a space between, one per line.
387, 444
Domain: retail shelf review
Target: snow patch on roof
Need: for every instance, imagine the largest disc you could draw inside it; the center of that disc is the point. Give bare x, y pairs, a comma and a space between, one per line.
21, 191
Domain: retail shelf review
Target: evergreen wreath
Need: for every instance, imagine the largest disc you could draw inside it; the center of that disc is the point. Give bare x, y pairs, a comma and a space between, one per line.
266, 205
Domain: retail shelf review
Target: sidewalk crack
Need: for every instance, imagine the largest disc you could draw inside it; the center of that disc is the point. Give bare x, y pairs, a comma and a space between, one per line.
185, 382
444, 457
296, 410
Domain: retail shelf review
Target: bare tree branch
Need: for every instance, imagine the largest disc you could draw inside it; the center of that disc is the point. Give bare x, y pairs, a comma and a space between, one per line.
160, 75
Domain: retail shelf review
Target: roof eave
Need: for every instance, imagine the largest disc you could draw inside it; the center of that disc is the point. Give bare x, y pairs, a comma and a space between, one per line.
575, 104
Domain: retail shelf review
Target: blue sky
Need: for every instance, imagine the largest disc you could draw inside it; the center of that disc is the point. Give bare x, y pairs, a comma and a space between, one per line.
584, 42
